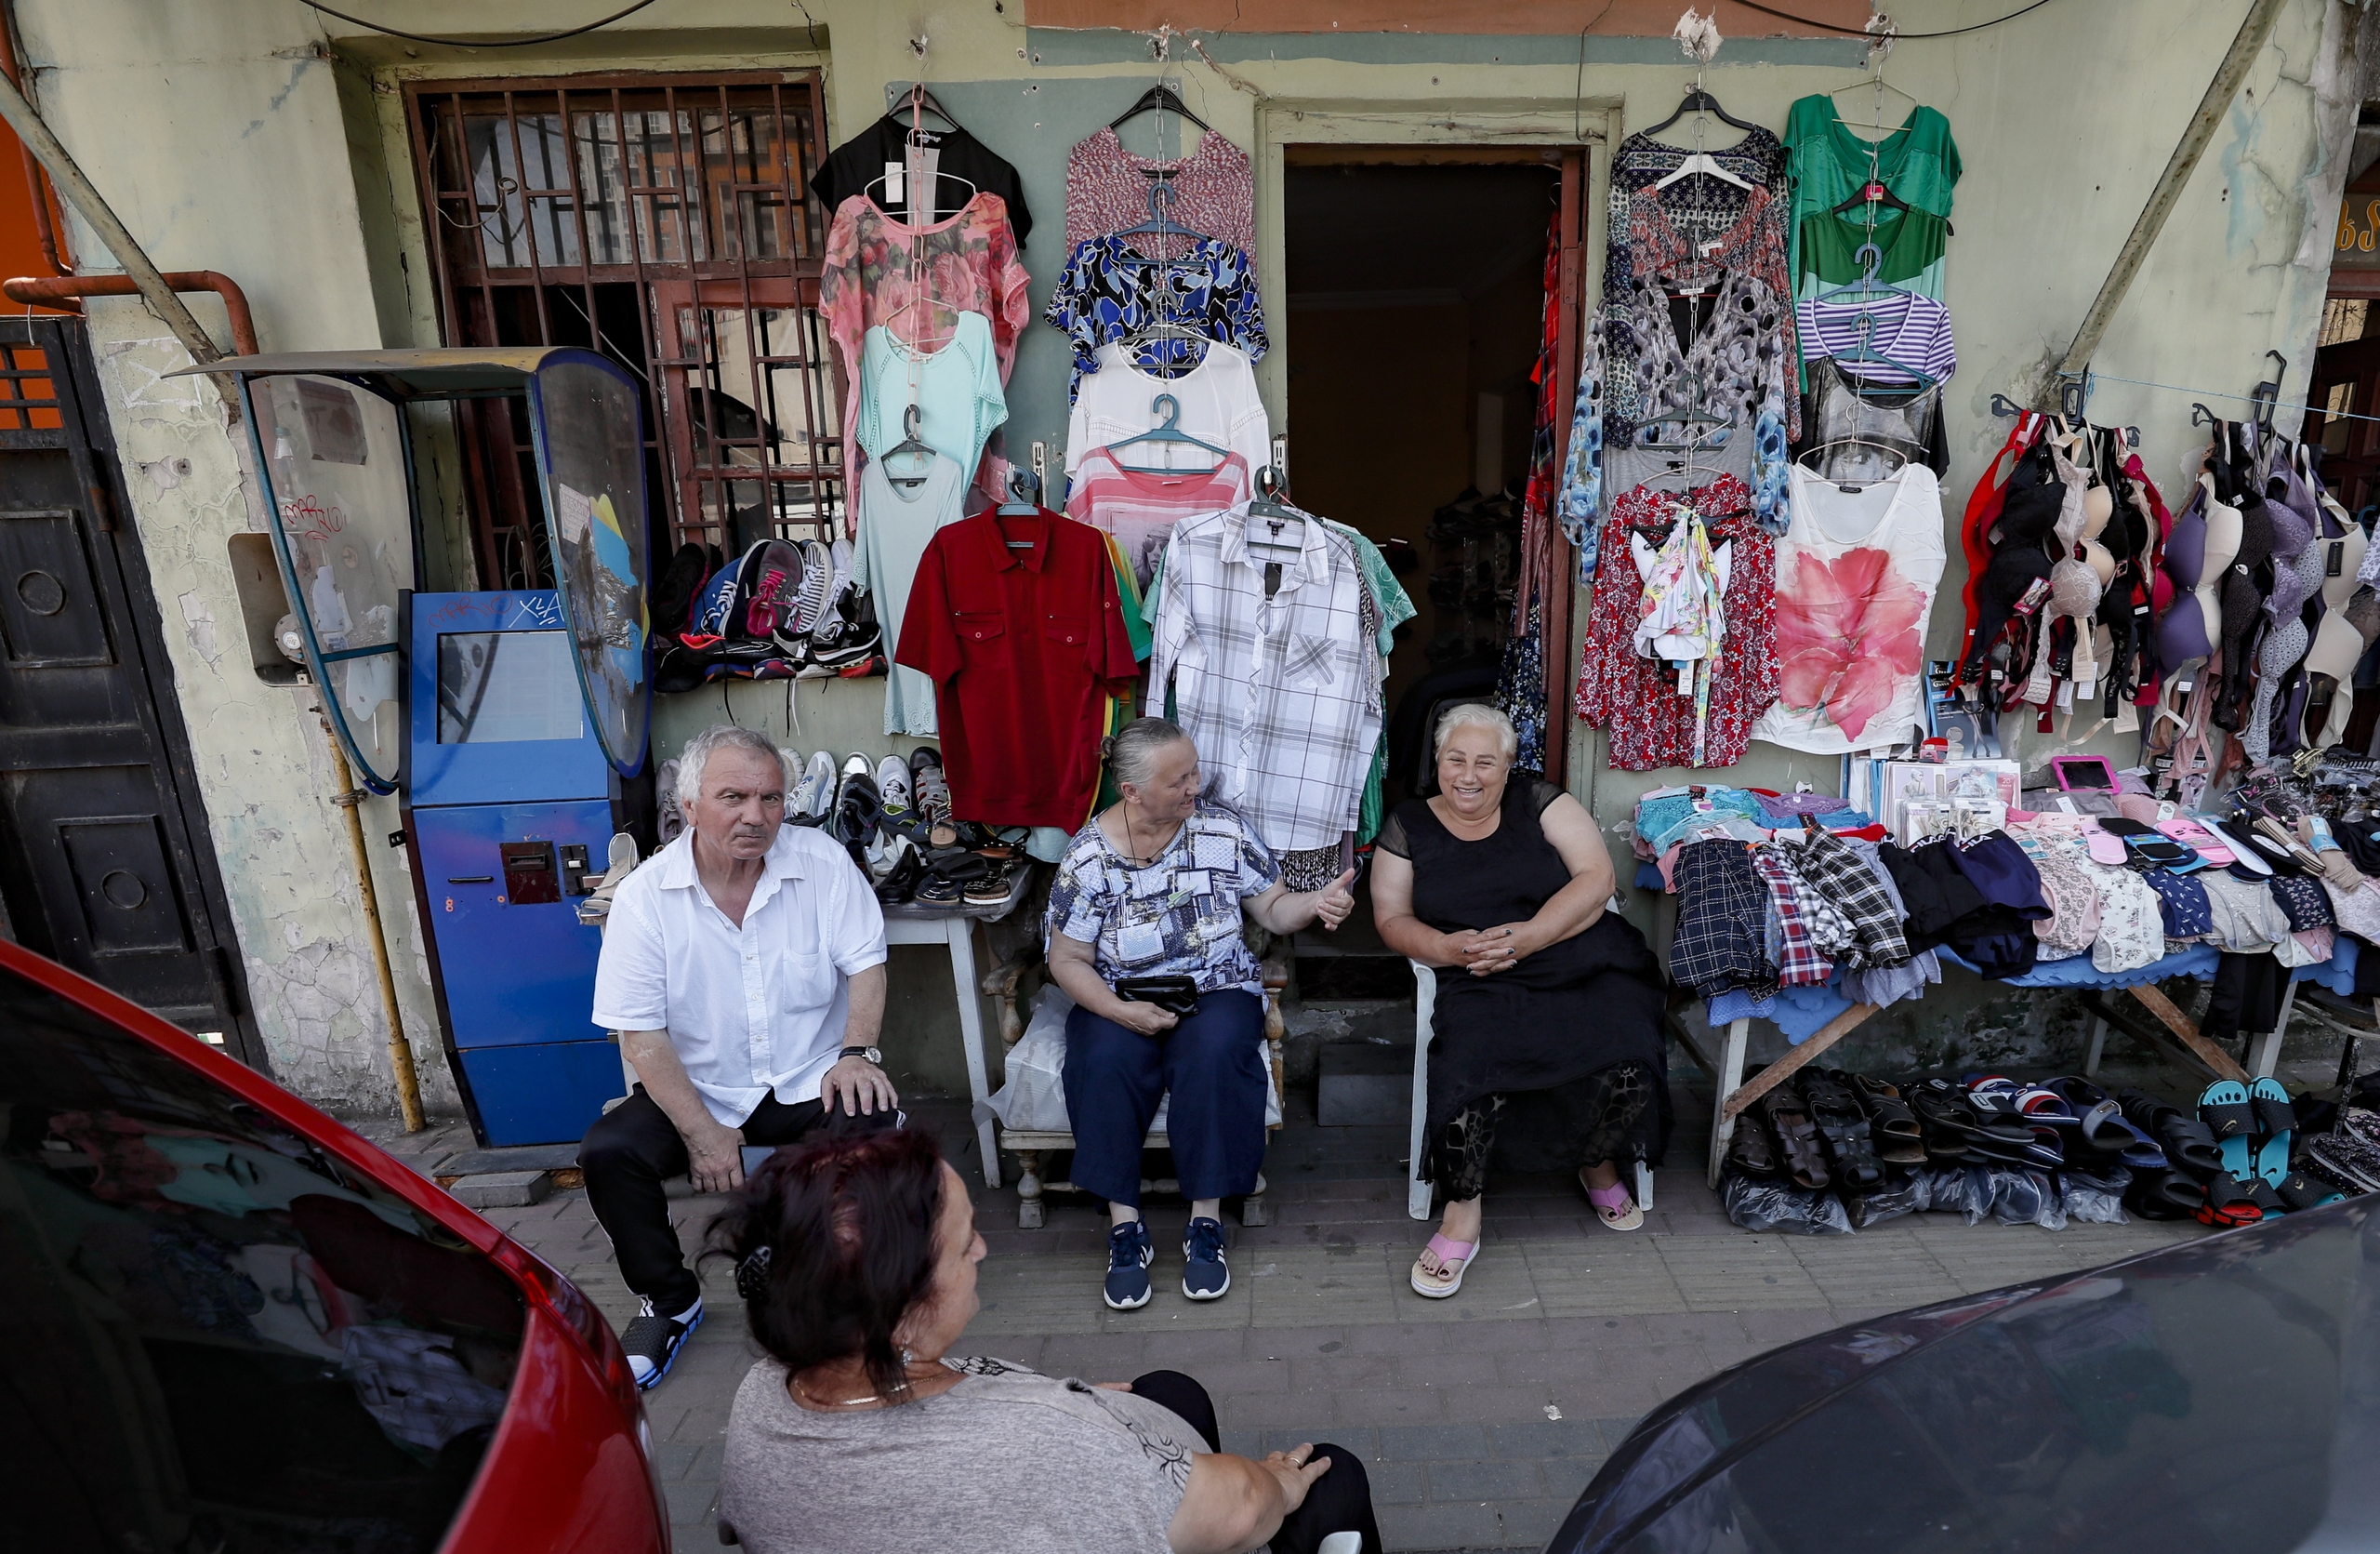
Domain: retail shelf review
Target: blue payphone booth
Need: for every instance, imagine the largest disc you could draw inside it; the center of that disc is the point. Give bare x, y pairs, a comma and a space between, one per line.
512, 725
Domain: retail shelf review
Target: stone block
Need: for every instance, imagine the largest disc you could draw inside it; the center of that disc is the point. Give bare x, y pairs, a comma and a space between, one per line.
498, 1189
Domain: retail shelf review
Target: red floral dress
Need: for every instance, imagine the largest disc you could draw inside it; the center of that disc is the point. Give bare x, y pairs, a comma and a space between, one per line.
1635, 699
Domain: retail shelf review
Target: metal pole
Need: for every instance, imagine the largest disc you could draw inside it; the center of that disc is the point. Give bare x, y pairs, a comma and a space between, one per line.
349, 800
2253, 29
84, 198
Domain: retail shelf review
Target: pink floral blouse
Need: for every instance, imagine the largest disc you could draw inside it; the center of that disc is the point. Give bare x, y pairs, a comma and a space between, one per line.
970, 266
1108, 189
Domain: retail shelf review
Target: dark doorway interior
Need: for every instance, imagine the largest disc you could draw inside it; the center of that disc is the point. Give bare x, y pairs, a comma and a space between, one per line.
1415, 295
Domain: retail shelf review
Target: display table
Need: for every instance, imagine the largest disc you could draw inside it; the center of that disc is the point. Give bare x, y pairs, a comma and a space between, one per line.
1814, 1018
953, 928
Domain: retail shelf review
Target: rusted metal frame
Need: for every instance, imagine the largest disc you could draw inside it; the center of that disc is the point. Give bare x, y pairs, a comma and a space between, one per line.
743, 229
429, 127
647, 340
528, 219
693, 208
806, 323
513, 563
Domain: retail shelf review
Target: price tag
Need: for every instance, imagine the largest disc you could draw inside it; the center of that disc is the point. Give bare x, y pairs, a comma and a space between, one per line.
893, 193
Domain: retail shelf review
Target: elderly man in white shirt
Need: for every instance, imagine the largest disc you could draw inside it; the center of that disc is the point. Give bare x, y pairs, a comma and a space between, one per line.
743, 966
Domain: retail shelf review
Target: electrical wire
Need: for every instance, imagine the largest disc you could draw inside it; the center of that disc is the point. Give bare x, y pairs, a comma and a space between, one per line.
492, 43
2244, 398
1896, 37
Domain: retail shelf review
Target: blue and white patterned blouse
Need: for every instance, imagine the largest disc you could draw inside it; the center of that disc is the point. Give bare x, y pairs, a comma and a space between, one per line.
1108, 289
1179, 916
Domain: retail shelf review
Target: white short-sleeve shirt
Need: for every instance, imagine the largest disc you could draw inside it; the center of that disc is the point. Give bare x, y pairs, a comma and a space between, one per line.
751, 1010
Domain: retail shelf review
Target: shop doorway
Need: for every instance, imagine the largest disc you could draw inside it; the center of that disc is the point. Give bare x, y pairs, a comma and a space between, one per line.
1416, 295
106, 864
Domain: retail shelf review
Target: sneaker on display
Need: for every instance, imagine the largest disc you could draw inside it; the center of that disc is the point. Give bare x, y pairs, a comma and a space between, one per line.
814, 800
652, 1341
817, 582
892, 786
1129, 1253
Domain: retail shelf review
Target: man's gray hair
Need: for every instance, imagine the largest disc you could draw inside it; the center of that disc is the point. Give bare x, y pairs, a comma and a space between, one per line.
717, 737
1131, 752
1480, 714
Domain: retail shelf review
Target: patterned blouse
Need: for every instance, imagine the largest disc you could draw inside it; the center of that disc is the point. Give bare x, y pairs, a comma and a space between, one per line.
1108, 189
1634, 369
1635, 699
1179, 916
1106, 292
970, 266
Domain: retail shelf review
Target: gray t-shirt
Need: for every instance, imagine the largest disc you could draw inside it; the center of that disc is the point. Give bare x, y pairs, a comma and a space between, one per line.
1006, 1462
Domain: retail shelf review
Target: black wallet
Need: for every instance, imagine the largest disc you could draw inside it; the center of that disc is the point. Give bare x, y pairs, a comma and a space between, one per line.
1175, 995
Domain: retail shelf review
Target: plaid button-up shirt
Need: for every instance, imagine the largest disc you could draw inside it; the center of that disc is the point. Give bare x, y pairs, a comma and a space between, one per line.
1281, 695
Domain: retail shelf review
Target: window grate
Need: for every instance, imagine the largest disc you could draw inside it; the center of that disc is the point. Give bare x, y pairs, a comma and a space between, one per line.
666, 222
28, 398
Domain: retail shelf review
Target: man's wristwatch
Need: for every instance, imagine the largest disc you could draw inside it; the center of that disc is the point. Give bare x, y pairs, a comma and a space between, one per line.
869, 1053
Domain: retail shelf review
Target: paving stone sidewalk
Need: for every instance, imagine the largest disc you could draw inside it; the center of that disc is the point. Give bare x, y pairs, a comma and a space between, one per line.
1479, 1418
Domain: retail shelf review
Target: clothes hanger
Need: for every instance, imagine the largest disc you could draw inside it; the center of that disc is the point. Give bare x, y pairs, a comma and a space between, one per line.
1877, 84
1023, 502
1701, 164
1167, 431
920, 100
1270, 505
1900, 460
1688, 413
1696, 101
1160, 99
1864, 350
910, 443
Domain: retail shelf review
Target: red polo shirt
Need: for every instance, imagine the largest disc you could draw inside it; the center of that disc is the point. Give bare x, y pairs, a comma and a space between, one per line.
1023, 645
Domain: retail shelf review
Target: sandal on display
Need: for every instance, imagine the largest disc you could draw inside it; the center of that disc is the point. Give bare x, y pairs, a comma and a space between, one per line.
2228, 1112
1835, 1110
1891, 1124
1948, 1124
1437, 1287
1797, 1136
2299, 1192
993, 887
1615, 1205
2105, 1127
2231, 1203
2006, 1134
1751, 1151
2276, 1129
2163, 1194
2189, 1144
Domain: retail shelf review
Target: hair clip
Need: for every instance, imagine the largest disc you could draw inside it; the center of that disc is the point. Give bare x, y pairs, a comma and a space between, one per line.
752, 1274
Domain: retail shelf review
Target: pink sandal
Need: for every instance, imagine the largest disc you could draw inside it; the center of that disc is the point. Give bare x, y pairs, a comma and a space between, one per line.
1460, 1253
1615, 1205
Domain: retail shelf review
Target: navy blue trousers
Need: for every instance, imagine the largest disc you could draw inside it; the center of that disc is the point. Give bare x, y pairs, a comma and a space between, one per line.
1210, 1062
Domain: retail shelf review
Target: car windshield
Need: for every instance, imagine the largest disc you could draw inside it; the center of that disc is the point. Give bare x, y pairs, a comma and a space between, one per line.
228, 1339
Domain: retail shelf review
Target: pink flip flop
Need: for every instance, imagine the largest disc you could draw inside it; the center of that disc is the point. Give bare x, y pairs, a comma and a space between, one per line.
2190, 833
1460, 1253
1615, 1205
2106, 845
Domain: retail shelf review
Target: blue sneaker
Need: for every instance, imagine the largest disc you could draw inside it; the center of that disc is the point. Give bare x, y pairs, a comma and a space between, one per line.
1205, 1276
652, 1341
1128, 1267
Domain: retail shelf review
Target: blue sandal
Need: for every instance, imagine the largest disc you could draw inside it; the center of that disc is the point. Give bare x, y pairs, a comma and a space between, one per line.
2226, 1109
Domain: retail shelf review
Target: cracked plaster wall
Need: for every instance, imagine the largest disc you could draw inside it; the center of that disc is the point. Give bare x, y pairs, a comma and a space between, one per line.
204, 124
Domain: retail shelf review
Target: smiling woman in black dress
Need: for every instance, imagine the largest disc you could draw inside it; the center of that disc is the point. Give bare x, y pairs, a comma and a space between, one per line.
1547, 1048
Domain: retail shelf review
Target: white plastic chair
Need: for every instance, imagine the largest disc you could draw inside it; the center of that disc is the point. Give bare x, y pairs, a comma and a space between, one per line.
1417, 1191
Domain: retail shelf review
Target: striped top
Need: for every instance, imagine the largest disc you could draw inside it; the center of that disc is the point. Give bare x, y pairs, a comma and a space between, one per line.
1912, 330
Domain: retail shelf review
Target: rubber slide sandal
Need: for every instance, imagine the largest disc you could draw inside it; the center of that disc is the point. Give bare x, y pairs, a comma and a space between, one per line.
1464, 1253
2276, 1124
2225, 1109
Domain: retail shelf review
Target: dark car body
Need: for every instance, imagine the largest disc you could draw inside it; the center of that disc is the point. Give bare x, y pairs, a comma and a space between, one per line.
2221, 1395
239, 1328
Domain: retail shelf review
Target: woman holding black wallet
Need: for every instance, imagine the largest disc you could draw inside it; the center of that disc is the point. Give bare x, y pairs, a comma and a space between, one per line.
1144, 934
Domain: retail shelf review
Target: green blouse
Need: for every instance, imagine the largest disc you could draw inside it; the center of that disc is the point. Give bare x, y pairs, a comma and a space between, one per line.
1829, 163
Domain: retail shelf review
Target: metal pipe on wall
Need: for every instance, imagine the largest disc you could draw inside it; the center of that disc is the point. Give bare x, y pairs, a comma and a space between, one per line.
42, 288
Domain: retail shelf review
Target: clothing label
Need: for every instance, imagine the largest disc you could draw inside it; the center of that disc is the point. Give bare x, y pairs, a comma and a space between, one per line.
924, 167
893, 173
2334, 558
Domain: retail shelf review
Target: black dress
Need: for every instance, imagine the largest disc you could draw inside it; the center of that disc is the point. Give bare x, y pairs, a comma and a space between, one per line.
1544, 1041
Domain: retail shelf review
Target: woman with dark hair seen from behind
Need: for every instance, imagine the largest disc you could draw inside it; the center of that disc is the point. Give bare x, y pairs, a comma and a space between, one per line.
1546, 1045
855, 1257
